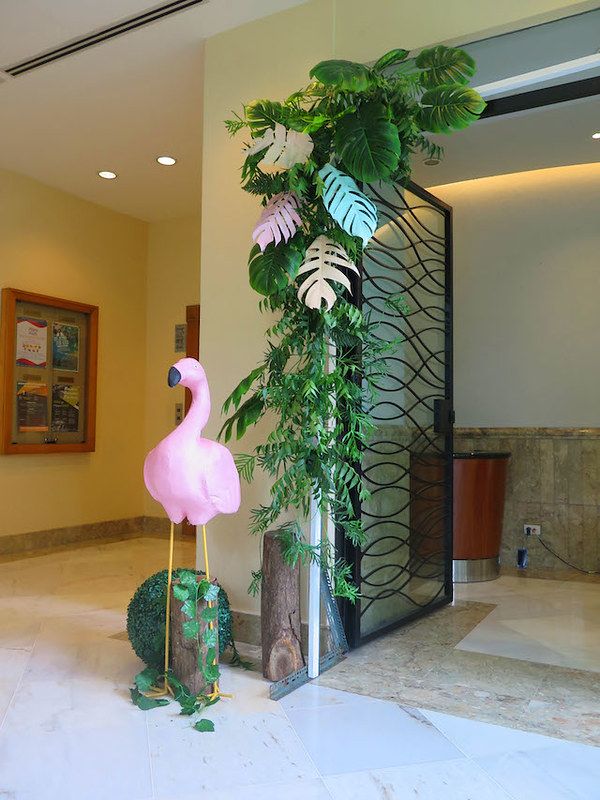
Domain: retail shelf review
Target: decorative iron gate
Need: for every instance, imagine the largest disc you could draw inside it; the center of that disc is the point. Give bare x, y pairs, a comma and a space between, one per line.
404, 569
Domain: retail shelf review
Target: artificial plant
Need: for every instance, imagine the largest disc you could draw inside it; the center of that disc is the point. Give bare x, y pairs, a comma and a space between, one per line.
146, 631
309, 158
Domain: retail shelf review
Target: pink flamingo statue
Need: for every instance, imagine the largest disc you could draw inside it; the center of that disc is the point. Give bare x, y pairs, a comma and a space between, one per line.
191, 477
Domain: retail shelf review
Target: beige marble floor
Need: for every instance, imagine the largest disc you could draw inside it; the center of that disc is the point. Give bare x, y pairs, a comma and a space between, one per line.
517, 652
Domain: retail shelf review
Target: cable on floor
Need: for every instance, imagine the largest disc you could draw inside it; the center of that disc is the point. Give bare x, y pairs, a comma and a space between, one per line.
564, 561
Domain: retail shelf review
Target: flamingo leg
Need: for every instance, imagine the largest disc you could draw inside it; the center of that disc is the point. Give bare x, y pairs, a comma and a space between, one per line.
216, 692
166, 688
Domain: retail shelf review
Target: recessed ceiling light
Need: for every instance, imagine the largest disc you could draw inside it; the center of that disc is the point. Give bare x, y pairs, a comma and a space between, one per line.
596, 135
166, 161
431, 162
107, 174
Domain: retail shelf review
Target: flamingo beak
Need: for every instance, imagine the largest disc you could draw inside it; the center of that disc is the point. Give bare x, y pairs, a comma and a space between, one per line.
174, 377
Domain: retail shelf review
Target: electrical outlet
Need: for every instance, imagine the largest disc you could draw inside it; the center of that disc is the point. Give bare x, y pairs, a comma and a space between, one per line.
178, 413
532, 530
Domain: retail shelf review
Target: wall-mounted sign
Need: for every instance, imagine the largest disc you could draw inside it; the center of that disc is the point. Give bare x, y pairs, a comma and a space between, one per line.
32, 342
32, 407
65, 347
49, 377
180, 338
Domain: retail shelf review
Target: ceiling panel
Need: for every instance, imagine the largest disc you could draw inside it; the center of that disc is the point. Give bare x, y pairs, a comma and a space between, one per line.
118, 105
31, 26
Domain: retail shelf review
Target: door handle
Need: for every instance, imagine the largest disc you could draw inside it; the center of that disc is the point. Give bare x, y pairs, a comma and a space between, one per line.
443, 415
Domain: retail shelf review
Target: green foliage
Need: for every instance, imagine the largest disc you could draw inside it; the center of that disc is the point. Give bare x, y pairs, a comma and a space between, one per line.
368, 122
262, 114
448, 108
256, 580
443, 65
242, 388
390, 59
189, 591
245, 464
271, 270
204, 726
146, 679
190, 704
345, 76
368, 144
146, 616
247, 414
146, 703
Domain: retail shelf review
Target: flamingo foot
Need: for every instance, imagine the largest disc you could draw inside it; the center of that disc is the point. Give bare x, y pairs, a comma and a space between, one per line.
160, 691
216, 693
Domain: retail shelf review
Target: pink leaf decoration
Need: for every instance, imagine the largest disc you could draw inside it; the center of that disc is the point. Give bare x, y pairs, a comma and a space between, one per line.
279, 220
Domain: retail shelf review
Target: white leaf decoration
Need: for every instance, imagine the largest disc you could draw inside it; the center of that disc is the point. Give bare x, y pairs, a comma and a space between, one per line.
322, 259
285, 147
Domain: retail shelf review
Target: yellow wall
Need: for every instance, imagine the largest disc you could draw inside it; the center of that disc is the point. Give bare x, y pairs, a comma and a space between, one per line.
141, 276
54, 243
173, 282
526, 288
270, 58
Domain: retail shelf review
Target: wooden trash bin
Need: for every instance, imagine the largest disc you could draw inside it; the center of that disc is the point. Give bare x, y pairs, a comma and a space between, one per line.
479, 491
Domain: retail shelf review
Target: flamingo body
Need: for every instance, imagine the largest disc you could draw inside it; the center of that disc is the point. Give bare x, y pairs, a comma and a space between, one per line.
192, 477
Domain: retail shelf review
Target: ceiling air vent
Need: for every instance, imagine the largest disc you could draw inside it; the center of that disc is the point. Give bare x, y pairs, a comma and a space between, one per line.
99, 36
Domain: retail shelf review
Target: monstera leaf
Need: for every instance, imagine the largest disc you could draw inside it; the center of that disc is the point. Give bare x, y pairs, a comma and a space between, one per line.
390, 59
367, 143
263, 114
322, 259
442, 65
285, 147
270, 271
344, 75
449, 108
279, 220
349, 207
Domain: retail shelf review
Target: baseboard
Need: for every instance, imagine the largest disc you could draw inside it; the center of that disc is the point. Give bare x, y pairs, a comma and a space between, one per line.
246, 627
53, 538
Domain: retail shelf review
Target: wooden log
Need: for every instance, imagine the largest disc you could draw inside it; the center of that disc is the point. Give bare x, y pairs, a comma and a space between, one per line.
280, 612
184, 652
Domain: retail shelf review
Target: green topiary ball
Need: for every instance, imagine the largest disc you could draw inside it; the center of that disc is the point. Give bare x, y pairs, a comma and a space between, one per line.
146, 619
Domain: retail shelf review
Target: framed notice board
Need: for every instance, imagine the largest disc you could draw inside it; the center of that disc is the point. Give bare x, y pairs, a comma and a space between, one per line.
49, 371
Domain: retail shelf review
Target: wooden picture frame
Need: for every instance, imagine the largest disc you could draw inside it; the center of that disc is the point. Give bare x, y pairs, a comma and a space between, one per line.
80, 437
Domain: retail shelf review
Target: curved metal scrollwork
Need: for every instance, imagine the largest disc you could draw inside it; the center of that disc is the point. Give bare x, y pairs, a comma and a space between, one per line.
404, 567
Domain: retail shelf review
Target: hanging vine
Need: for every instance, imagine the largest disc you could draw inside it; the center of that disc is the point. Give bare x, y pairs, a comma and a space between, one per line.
307, 158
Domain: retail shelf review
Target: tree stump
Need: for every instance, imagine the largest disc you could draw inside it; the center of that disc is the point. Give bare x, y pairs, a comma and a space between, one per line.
184, 652
280, 612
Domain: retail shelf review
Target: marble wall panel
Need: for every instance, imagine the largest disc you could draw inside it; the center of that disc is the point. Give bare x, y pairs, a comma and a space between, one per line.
553, 480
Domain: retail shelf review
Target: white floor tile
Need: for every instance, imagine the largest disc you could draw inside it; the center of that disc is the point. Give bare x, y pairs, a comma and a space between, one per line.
300, 790
311, 695
478, 739
12, 667
368, 734
73, 740
244, 750
563, 772
445, 780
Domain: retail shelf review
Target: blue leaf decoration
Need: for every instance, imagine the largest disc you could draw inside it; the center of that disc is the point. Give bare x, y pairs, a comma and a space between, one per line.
349, 207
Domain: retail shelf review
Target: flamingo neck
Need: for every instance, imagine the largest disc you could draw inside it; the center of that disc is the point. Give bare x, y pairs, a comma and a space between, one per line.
197, 416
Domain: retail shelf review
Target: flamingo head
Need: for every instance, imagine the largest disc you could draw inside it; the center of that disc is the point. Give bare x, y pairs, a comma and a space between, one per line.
188, 372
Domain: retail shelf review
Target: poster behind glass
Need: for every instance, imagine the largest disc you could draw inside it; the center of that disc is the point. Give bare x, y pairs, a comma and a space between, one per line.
50, 374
